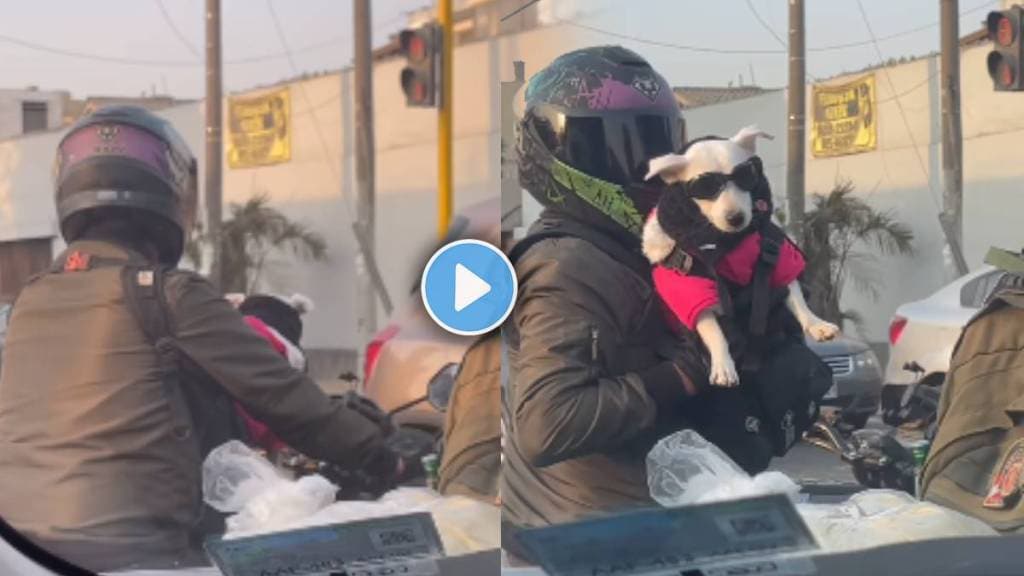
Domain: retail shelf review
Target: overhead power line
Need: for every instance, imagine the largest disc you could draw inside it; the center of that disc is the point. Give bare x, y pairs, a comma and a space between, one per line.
899, 105
176, 31
895, 35
518, 10
683, 47
168, 63
754, 51
283, 39
267, 57
764, 24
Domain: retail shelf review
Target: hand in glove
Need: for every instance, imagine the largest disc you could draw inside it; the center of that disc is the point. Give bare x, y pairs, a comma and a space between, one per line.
369, 410
680, 372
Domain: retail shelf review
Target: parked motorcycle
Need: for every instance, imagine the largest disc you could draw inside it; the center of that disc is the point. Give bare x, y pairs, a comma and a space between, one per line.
877, 457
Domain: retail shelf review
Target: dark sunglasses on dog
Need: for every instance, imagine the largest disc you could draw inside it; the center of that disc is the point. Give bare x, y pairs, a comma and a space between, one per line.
709, 185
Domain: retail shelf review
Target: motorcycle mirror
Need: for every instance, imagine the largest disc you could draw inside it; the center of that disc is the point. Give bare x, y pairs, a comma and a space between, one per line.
439, 390
913, 367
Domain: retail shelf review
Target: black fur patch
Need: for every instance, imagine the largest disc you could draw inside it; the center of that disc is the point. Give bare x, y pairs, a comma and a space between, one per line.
681, 218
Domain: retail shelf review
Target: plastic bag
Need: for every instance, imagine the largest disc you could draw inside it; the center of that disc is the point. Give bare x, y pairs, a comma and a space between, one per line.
465, 525
233, 474
879, 517
237, 479
283, 505
684, 468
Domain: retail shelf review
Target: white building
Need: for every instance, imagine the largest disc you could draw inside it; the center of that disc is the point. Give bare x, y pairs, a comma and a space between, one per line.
30, 110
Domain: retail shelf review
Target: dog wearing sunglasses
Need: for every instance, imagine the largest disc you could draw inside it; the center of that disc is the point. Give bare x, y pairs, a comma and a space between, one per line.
707, 226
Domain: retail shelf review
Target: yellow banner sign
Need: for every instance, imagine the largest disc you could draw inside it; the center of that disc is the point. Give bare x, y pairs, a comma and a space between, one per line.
845, 118
260, 130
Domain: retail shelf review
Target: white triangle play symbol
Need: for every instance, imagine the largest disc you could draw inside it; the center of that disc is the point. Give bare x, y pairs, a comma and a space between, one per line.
468, 287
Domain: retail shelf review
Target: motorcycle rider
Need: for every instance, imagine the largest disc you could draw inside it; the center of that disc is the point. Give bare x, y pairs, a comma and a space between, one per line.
595, 376
106, 413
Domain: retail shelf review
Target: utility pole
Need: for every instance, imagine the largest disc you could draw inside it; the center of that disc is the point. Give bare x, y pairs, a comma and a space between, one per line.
796, 138
511, 192
444, 121
214, 143
366, 304
952, 135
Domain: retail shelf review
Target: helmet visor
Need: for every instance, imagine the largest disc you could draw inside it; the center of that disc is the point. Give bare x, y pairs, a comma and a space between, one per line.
611, 146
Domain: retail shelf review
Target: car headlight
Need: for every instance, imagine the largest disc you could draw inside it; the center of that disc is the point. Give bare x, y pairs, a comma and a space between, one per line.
866, 360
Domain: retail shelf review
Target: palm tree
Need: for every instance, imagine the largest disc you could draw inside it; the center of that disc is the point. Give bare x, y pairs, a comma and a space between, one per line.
838, 232
254, 230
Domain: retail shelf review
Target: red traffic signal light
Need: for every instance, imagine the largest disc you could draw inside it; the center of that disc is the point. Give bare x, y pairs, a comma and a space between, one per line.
416, 48
416, 88
1004, 30
420, 77
1001, 70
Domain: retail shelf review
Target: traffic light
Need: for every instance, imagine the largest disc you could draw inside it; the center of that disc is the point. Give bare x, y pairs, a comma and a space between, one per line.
422, 73
1004, 61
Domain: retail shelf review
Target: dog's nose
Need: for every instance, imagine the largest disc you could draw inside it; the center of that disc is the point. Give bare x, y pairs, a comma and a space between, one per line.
736, 219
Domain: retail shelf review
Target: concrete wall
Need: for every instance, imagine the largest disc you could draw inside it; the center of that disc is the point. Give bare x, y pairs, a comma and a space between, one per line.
11, 113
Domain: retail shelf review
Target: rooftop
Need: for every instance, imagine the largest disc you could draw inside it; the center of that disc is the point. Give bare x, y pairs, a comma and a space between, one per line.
697, 96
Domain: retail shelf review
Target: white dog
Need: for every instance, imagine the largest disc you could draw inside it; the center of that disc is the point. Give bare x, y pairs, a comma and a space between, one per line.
719, 177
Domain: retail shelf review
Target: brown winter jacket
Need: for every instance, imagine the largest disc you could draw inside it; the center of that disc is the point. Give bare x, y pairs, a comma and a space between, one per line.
587, 394
980, 421
100, 459
471, 464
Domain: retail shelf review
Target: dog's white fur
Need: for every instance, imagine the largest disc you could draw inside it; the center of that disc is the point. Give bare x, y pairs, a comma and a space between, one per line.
722, 156
303, 304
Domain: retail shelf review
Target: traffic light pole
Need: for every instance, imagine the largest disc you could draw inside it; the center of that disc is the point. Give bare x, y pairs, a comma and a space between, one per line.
444, 121
952, 136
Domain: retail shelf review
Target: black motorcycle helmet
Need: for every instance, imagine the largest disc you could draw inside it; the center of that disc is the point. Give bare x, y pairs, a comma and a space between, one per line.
588, 124
125, 162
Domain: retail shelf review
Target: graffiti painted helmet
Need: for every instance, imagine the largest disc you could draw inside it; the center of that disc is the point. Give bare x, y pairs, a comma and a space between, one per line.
587, 125
129, 162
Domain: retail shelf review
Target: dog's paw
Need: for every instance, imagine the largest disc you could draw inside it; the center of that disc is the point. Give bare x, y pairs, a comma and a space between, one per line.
723, 372
822, 331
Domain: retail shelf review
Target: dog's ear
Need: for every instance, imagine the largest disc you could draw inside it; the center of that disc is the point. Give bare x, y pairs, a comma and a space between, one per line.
670, 167
747, 137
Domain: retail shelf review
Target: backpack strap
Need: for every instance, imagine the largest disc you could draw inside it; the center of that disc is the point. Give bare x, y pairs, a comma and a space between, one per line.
143, 288
525, 244
634, 260
772, 239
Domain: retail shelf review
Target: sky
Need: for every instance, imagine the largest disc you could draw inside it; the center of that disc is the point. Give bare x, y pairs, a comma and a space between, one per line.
318, 32
713, 42
700, 29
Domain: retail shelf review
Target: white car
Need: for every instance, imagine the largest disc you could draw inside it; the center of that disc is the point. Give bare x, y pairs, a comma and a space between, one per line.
922, 334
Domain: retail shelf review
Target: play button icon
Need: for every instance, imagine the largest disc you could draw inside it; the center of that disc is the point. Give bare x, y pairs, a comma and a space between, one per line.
468, 287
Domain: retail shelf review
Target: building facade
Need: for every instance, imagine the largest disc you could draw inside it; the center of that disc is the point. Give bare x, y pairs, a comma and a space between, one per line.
316, 184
